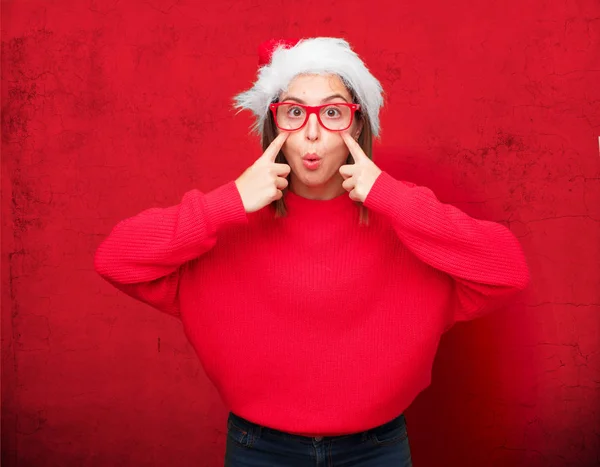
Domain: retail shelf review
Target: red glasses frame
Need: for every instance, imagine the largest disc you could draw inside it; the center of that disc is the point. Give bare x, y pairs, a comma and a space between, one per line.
313, 109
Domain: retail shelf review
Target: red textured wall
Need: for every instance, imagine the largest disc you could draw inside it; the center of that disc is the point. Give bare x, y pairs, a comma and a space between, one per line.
110, 107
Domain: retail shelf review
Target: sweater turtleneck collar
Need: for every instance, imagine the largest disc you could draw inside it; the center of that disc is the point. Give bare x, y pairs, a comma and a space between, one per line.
298, 204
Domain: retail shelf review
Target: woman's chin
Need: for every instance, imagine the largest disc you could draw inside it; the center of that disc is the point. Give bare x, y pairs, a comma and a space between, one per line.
313, 178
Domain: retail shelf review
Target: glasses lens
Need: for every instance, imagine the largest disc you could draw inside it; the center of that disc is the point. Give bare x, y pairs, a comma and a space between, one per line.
333, 117
290, 116
336, 117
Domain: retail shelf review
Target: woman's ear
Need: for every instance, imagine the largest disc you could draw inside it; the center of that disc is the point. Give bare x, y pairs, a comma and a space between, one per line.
358, 130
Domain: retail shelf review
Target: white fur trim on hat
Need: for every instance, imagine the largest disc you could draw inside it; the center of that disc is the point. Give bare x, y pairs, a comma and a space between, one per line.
320, 55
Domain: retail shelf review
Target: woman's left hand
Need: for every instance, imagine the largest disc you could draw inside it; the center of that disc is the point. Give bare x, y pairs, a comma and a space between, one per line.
359, 177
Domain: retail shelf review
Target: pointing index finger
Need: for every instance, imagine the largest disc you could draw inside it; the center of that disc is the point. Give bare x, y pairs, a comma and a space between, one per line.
275, 146
355, 149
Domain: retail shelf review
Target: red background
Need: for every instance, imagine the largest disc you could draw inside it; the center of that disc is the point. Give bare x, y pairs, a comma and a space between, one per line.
110, 107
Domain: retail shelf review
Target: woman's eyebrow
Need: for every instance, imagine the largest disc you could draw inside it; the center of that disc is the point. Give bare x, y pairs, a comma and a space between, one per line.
329, 98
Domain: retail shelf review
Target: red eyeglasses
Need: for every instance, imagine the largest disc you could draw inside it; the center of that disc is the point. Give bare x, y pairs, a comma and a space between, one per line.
291, 116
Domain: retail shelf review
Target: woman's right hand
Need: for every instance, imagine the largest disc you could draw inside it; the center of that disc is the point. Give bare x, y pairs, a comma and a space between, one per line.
263, 182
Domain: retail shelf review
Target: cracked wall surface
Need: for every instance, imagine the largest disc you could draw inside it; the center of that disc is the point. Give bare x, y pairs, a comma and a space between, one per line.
110, 107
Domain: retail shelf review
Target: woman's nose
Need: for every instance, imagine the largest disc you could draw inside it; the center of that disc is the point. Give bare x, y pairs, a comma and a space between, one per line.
312, 127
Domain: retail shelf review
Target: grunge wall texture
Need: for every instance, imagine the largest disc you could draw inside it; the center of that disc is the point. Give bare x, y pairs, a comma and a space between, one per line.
110, 107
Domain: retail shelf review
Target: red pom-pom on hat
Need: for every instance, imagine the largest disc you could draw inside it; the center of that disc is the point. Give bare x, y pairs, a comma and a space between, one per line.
266, 49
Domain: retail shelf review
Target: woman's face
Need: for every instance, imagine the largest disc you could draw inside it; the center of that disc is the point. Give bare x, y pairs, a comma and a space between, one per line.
323, 181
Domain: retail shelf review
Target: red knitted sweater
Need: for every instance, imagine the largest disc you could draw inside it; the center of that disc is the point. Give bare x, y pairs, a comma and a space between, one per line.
312, 323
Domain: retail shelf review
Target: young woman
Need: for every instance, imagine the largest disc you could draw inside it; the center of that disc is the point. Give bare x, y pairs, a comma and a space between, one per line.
315, 287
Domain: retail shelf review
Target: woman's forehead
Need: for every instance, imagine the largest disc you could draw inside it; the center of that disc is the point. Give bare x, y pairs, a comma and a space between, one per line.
317, 86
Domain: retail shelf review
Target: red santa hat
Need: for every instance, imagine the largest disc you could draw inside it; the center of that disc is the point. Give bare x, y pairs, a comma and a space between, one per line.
281, 60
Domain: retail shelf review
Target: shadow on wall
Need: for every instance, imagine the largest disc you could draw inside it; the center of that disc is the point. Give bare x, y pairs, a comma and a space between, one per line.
482, 383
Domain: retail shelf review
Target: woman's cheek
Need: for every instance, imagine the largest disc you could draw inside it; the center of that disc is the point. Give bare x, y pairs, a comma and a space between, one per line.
290, 149
341, 153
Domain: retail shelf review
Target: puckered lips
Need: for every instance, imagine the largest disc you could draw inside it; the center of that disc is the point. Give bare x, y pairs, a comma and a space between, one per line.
311, 161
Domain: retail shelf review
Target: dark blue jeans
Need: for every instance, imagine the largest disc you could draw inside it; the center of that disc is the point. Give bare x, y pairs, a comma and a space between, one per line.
251, 445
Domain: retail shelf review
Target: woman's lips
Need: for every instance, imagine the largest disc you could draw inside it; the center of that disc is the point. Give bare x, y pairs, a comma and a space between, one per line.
312, 164
311, 161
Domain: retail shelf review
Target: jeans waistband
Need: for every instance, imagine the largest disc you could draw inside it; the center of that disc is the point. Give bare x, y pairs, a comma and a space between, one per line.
249, 426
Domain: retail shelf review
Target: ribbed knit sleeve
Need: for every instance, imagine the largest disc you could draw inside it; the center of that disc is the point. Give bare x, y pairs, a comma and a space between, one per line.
143, 254
484, 257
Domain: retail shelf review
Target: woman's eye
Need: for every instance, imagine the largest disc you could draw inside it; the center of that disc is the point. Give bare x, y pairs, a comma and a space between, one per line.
295, 112
332, 112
